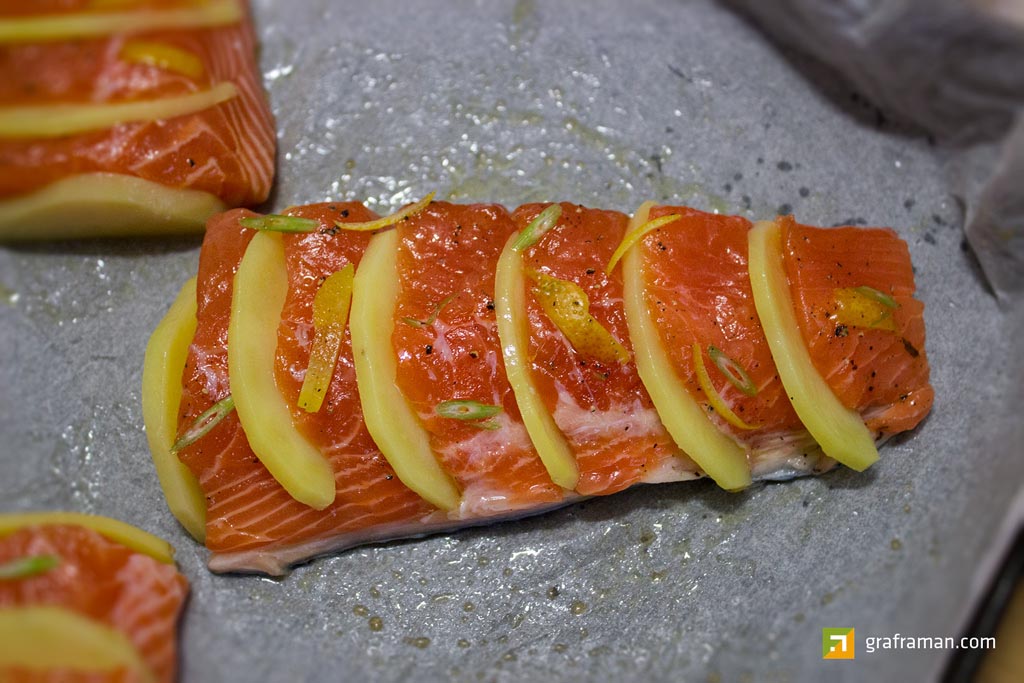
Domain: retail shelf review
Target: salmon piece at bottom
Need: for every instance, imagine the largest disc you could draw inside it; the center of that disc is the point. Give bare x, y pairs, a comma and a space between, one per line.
103, 580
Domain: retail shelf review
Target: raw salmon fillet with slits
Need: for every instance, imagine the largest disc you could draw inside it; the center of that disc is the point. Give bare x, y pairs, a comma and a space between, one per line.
880, 373
252, 522
448, 250
102, 580
446, 348
602, 408
698, 289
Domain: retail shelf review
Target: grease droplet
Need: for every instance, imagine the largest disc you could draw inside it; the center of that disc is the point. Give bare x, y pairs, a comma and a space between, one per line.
421, 642
360, 610
895, 544
376, 624
578, 607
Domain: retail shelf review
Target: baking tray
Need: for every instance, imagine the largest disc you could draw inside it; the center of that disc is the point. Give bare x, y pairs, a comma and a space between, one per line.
607, 104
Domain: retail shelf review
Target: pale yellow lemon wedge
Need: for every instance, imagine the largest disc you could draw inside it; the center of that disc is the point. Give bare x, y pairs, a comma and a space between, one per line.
42, 638
260, 289
166, 354
58, 120
717, 454
392, 422
79, 25
120, 532
839, 431
514, 333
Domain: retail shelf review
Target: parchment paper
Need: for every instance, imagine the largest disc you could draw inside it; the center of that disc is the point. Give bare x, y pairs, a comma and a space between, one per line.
607, 104
955, 68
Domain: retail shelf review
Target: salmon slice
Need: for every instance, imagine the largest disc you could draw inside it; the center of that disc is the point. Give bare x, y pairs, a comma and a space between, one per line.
247, 509
102, 580
226, 150
448, 253
698, 290
446, 345
602, 408
881, 373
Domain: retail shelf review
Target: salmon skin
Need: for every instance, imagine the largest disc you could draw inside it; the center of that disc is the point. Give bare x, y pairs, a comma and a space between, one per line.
106, 582
698, 289
225, 150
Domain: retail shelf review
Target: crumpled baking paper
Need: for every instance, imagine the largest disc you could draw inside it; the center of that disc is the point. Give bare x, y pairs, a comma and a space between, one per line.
954, 68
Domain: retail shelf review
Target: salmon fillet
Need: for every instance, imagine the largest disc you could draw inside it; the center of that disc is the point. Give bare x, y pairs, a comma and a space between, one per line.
226, 150
450, 250
698, 290
602, 408
102, 580
247, 510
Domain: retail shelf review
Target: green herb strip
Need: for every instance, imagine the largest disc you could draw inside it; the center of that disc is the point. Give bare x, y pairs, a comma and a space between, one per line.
277, 223
544, 221
203, 424
736, 375
25, 567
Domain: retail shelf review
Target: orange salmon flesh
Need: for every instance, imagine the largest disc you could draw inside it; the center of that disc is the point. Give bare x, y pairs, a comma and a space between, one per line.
102, 580
226, 150
697, 289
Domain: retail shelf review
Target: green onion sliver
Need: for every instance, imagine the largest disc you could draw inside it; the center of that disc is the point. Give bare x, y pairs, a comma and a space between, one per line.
24, 567
875, 295
433, 316
210, 418
277, 223
736, 375
544, 221
467, 410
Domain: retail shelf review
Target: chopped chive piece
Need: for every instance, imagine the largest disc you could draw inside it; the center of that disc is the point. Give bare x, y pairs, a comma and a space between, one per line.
467, 410
203, 424
24, 567
544, 221
736, 375
277, 223
490, 425
875, 295
634, 236
715, 398
433, 316
388, 221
